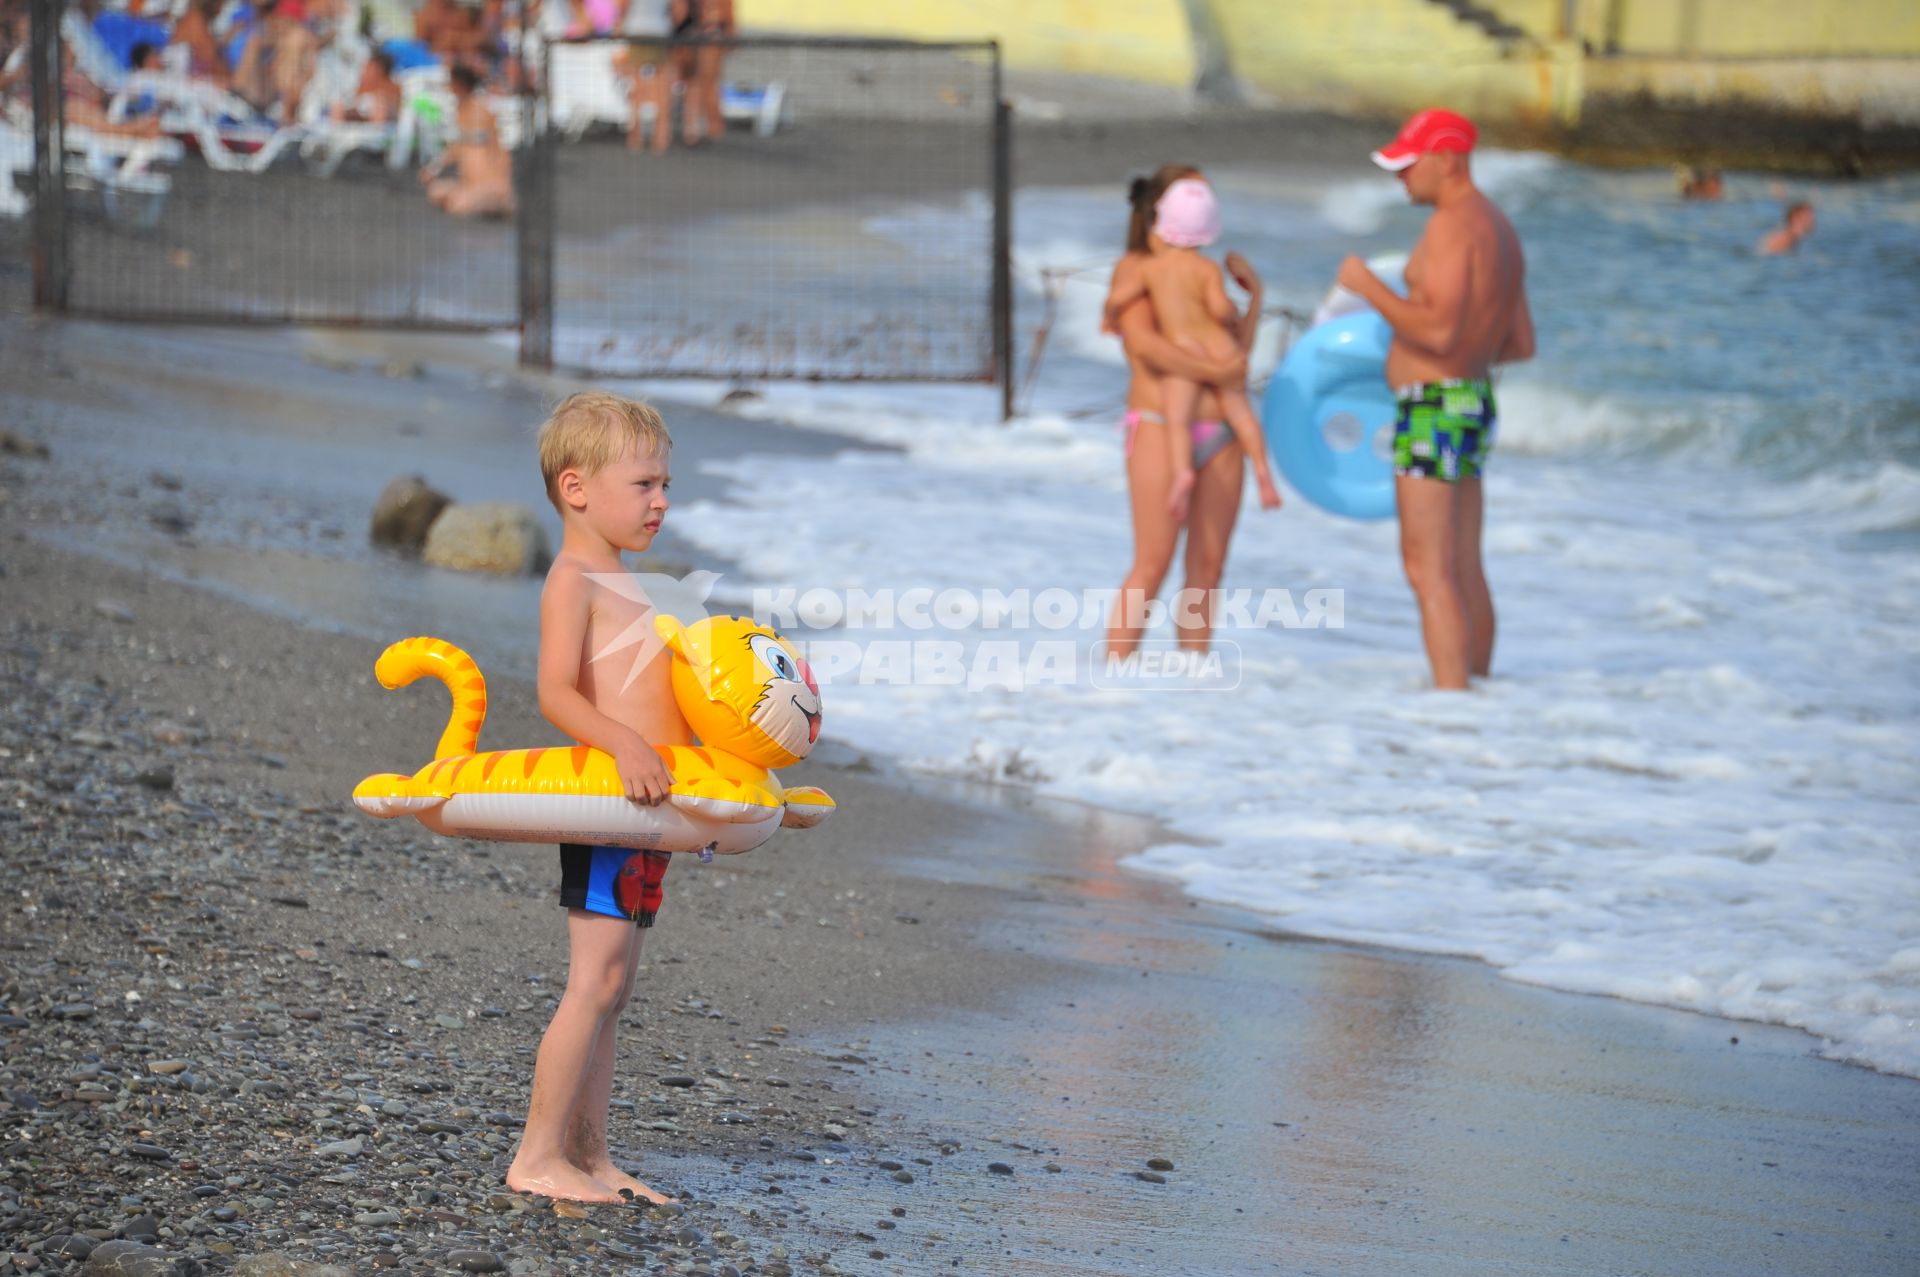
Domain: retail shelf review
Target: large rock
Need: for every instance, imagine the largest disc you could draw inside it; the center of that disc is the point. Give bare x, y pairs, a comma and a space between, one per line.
274, 1264
132, 1259
15, 445
488, 536
405, 511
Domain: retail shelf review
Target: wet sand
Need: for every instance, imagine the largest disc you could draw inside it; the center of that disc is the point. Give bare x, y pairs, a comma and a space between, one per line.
954, 986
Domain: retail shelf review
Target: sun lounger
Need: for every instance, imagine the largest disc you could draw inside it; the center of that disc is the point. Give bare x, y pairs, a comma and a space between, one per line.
90, 52
119, 170
120, 32
228, 133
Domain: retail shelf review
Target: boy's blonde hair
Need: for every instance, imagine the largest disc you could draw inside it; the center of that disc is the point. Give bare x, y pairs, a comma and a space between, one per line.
592, 429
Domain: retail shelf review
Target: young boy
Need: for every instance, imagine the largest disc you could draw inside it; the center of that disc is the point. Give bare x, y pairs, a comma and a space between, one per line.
605, 463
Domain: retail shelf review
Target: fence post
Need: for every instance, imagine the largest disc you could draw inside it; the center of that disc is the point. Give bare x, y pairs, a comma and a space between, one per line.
1002, 243
49, 159
534, 176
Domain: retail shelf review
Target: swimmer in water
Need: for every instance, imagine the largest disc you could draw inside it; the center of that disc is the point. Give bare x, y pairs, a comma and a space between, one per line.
1797, 225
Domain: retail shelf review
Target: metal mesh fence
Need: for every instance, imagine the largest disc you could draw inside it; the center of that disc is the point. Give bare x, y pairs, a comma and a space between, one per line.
845, 226
844, 217
173, 200
286, 246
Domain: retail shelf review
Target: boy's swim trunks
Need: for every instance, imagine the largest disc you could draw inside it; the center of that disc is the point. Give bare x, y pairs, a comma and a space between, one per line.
1445, 429
616, 881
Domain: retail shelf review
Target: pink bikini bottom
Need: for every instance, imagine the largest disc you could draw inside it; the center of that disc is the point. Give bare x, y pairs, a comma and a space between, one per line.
1209, 437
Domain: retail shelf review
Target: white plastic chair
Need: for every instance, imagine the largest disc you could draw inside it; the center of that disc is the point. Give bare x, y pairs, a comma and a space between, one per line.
583, 90
16, 156
764, 108
426, 116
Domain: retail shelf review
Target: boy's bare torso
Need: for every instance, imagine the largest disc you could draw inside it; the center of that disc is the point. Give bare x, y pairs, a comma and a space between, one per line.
620, 637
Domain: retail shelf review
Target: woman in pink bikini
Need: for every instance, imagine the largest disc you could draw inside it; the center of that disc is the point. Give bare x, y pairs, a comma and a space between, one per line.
1218, 460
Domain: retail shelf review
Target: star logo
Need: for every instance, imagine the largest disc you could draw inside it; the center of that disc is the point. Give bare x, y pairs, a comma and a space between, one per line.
658, 594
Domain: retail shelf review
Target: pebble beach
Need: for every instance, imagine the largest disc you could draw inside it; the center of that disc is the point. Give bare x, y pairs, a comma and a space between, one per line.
245, 1029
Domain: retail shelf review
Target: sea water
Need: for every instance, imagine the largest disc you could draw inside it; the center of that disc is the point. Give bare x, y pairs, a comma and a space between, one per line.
1692, 780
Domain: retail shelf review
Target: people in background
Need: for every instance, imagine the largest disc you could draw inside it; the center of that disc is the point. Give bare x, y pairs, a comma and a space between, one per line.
1794, 227
376, 99
482, 180
647, 68
195, 30
278, 60
1699, 182
85, 104
700, 65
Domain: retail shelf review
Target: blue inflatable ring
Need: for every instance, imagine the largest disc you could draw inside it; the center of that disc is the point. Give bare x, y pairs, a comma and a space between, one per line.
1325, 411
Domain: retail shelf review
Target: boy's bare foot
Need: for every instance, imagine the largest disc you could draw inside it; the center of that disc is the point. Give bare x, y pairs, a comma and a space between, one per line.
560, 1180
616, 1179
1181, 496
1269, 494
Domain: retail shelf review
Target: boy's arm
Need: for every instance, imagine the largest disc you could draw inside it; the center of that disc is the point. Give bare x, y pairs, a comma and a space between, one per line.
564, 609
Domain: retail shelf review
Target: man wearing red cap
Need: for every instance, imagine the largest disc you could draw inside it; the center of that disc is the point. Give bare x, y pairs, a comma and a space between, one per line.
1465, 310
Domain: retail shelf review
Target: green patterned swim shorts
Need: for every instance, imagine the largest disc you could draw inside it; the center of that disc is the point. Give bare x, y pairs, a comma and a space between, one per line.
1445, 429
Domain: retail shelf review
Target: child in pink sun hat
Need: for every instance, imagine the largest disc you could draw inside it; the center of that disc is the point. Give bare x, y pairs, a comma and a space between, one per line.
1187, 216
1191, 306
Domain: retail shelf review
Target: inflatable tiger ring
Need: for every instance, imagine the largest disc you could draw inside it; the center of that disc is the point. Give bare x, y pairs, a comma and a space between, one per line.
744, 690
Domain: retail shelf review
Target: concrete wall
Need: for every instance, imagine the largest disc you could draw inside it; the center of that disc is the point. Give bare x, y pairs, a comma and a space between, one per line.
1874, 91
1759, 28
1146, 40
1387, 57
1726, 28
1391, 57
1543, 19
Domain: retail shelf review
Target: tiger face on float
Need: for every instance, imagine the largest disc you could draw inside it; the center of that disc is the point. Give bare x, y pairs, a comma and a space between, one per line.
743, 688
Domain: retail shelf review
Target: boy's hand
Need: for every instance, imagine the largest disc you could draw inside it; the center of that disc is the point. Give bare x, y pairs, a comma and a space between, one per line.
645, 776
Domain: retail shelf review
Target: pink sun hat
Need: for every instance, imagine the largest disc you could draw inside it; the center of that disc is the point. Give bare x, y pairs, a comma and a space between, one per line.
1187, 215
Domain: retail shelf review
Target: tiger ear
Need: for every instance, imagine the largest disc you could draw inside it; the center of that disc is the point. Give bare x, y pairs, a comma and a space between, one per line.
674, 635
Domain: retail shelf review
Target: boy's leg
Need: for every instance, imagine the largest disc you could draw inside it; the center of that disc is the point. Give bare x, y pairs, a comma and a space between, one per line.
587, 1131
598, 969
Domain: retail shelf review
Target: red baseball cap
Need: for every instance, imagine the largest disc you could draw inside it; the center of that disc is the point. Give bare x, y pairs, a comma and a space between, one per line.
1429, 131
